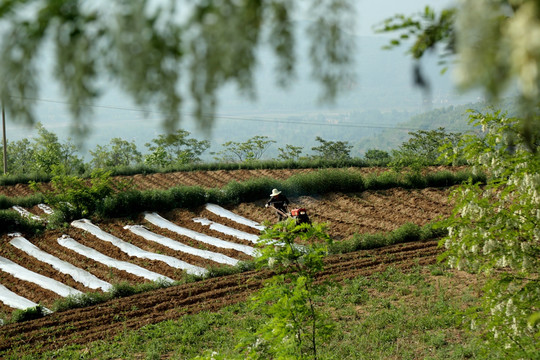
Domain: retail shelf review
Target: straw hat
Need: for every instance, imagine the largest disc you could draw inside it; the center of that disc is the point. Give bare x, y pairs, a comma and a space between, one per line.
275, 192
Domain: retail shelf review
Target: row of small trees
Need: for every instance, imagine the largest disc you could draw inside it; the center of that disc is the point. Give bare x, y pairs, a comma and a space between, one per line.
45, 153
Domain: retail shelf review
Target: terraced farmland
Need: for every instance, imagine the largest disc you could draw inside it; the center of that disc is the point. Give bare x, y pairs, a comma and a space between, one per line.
132, 249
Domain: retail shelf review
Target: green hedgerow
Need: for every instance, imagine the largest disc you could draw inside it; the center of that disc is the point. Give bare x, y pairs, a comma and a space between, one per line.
30, 313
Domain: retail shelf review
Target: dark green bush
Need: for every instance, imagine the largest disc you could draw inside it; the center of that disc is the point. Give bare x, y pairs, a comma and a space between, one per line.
250, 190
122, 289
121, 204
324, 181
217, 271
24, 178
406, 233
24, 201
31, 313
432, 231
464, 176
216, 196
414, 180
5, 202
188, 196
318, 182
386, 180
13, 221
440, 179
318, 163
80, 301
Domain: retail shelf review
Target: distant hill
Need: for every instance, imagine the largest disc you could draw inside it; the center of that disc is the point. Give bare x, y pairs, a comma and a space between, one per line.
452, 118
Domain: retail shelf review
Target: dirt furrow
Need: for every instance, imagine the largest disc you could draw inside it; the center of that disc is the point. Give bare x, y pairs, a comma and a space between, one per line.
105, 320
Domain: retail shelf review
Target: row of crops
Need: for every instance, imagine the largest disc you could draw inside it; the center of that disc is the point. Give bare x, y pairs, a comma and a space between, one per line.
20, 272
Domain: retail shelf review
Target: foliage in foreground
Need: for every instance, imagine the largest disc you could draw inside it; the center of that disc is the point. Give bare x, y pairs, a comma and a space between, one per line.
296, 327
212, 46
494, 229
493, 45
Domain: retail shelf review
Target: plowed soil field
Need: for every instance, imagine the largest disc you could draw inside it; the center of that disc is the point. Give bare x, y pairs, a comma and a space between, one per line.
207, 179
346, 214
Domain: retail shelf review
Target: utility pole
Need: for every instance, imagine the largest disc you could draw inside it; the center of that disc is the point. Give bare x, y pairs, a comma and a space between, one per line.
4, 142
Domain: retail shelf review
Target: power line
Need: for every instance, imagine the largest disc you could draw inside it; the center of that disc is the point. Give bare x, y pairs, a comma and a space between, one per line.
240, 118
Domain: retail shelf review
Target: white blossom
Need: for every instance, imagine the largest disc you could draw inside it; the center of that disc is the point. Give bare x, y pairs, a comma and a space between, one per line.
489, 246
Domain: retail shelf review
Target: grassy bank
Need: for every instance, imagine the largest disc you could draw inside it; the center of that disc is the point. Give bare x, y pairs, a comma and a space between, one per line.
389, 315
314, 183
207, 166
132, 202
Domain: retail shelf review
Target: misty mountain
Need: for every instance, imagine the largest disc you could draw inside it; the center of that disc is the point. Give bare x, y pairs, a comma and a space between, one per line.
451, 118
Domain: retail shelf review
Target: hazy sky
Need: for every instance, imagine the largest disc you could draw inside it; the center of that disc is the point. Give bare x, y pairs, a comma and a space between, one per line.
370, 12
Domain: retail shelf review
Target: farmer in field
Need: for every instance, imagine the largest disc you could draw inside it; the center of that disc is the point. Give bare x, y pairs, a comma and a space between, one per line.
279, 202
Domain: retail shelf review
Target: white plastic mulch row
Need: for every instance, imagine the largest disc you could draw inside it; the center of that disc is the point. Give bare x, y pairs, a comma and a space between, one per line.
13, 300
135, 251
46, 209
47, 283
175, 245
218, 210
26, 213
73, 245
79, 275
228, 230
166, 224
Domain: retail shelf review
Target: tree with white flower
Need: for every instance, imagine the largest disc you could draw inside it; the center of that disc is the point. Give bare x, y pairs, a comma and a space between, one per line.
495, 229
494, 46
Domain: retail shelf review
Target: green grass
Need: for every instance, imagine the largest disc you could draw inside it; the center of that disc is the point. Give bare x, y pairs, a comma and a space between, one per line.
406, 233
131, 202
319, 182
207, 166
390, 315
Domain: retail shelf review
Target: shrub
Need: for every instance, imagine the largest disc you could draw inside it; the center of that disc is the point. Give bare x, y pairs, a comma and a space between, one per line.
406, 233
375, 157
440, 179
414, 180
13, 221
80, 301
24, 201
236, 192
324, 181
30, 313
187, 196
24, 178
122, 289
386, 180
76, 197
